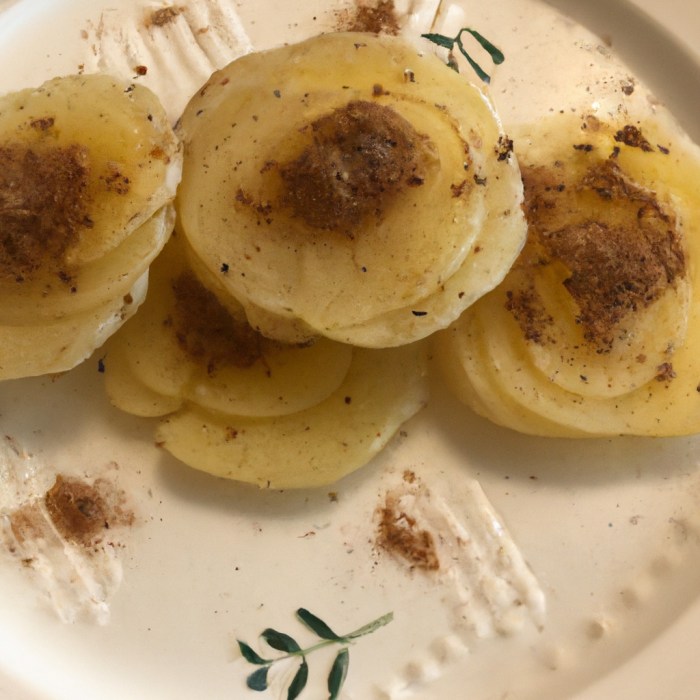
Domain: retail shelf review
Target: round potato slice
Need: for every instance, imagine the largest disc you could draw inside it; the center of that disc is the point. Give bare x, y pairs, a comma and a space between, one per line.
349, 215
89, 166
185, 345
596, 329
314, 447
96, 283
51, 347
85, 160
128, 393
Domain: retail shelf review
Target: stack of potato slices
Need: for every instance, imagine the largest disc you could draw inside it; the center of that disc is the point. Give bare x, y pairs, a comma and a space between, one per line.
88, 171
341, 199
596, 329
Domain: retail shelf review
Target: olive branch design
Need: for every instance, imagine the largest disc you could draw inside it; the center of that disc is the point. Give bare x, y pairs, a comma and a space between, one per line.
449, 43
258, 679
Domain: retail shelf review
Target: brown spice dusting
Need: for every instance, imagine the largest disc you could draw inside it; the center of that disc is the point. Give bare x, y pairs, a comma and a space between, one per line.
460, 188
27, 523
163, 16
665, 372
627, 86
399, 534
81, 512
504, 148
632, 136
44, 205
115, 180
377, 18
617, 263
361, 155
207, 332
77, 510
531, 318
158, 153
263, 209
42, 123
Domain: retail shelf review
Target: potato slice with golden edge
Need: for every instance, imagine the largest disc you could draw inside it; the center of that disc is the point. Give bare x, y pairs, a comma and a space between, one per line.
314, 447
184, 345
596, 329
348, 186
88, 168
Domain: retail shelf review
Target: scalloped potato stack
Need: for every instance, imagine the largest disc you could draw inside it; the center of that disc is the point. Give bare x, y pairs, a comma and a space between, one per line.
242, 406
596, 329
348, 187
88, 171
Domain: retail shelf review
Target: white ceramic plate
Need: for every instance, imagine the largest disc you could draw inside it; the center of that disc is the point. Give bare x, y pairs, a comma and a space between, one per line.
609, 528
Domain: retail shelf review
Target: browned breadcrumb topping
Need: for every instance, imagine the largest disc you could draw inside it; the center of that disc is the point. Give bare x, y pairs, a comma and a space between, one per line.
81, 512
207, 332
360, 156
162, 16
618, 262
44, 205
400, 535
377, 18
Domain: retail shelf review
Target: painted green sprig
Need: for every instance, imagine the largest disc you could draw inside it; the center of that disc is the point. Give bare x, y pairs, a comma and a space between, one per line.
449, 43
258, 679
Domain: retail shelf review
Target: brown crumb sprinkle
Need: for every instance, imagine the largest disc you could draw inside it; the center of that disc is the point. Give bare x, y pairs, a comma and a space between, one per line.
632, 136
665, 372
399, 534
377, 18
163, 16
359, 157
44, 205
81, 512
207, 332
618, 263
76, 509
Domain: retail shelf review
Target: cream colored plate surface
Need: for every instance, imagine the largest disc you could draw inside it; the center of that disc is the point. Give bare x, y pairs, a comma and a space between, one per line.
610, 529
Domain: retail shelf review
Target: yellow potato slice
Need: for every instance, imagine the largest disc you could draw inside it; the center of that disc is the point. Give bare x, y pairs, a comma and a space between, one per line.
185, 346
50, 347
314, 447
89, 166
364, 212
128, 393
96, 283
596, 329
86, 159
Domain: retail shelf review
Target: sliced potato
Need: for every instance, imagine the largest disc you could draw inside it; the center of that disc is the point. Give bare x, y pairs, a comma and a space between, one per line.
89, 166
50, 347
383, 203
96, 282
596, 329
128, 393
184, 344
86, 159
287, 416
314, 447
